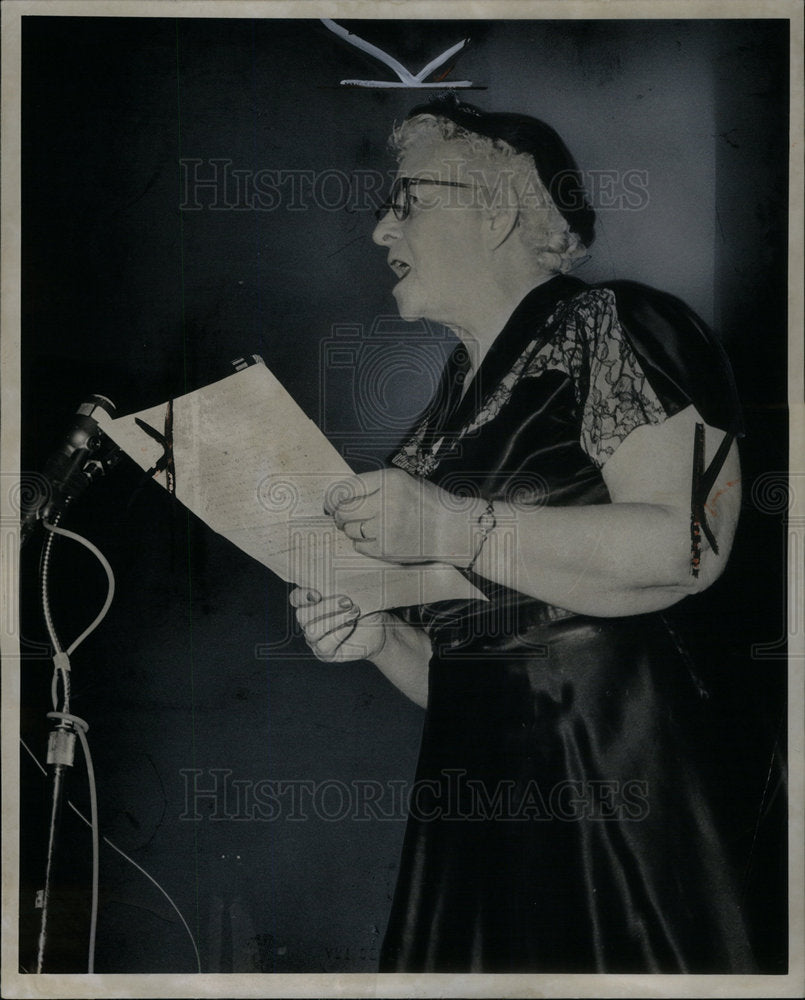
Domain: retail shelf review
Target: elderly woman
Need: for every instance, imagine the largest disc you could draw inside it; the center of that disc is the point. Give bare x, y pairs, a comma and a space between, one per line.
579, 465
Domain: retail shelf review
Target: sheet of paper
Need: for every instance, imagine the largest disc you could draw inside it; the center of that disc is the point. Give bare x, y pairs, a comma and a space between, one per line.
256, 469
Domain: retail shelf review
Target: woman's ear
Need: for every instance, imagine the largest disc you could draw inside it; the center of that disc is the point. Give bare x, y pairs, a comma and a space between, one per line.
499, 224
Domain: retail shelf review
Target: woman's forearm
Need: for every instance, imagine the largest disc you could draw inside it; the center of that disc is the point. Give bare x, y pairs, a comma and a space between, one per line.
630, 556
608, 559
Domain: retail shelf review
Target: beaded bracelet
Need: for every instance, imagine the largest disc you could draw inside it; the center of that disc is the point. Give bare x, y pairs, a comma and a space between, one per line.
487, 522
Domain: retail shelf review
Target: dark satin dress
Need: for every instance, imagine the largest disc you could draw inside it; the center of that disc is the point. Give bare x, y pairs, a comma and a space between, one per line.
560, 818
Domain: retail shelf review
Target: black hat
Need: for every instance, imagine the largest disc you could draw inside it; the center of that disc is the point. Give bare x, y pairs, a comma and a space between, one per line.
556, 167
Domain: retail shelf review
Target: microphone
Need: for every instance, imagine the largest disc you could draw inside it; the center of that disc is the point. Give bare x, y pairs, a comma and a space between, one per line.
85, 453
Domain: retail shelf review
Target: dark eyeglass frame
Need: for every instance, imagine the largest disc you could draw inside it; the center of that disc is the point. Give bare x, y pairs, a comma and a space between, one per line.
404, 184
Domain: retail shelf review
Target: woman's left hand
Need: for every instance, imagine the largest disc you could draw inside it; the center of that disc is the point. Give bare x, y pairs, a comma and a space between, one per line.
392, 515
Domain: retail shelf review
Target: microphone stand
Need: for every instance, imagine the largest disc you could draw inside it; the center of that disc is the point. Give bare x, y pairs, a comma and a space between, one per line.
95, 457
61, 755
84, 455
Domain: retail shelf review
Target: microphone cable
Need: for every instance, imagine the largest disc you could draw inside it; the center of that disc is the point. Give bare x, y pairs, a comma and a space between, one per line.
125, 856
61, 672
61, 660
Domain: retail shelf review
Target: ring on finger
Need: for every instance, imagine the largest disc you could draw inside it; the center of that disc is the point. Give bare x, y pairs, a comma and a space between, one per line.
349, 618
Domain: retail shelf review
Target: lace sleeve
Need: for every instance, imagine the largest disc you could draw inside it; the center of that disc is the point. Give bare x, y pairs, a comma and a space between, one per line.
614, 394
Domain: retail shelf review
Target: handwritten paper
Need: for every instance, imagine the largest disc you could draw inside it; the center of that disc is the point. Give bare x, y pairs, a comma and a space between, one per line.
251, 464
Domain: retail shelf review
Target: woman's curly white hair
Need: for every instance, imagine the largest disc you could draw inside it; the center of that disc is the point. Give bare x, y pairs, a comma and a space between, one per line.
543, 230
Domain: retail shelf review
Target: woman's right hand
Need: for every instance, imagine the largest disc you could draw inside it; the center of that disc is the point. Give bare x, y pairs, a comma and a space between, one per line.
334, 629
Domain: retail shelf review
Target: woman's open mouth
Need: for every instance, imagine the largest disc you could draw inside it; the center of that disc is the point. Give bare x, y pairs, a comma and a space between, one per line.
399, 267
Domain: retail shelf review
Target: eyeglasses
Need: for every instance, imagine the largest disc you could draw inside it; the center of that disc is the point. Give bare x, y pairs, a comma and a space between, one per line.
399, 200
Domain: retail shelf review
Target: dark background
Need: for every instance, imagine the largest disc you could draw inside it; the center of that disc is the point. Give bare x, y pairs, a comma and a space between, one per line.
127, 293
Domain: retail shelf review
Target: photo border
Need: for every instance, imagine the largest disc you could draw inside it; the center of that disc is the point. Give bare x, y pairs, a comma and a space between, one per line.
389, 985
